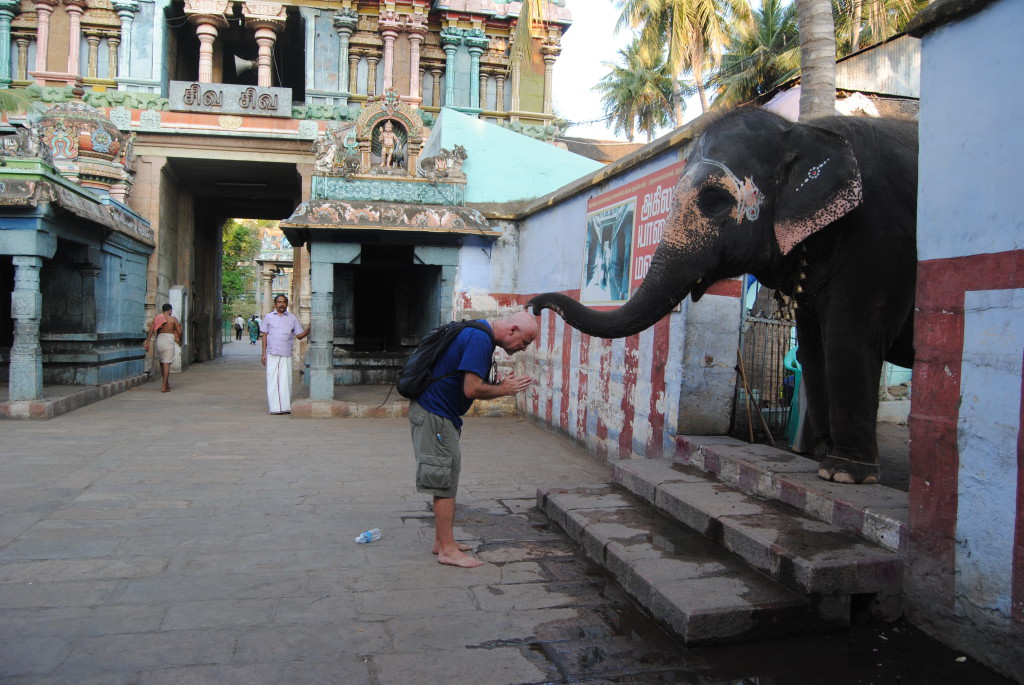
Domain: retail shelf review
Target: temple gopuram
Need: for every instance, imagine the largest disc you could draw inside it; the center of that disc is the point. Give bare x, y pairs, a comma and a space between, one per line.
384, 134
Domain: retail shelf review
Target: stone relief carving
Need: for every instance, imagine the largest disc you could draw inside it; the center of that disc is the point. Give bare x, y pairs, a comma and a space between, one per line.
336, 153
25, 142
445, 164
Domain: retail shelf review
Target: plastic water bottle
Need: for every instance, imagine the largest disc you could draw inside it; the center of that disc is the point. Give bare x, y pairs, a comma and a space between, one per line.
368, 536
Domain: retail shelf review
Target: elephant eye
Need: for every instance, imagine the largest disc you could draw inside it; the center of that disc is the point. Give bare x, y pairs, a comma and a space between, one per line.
714, 201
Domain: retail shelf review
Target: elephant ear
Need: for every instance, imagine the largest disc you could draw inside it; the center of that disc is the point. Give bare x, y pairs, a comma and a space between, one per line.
821, 185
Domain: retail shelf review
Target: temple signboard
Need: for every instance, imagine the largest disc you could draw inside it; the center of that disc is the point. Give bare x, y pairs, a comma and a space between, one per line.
226, 98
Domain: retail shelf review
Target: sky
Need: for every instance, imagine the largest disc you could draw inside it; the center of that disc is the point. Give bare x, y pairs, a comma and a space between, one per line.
590, 41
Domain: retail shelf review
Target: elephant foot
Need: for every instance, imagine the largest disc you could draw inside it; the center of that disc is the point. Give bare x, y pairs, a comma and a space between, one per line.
840, 470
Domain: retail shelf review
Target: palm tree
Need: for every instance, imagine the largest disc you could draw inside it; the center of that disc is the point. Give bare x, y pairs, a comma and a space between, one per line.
637, 94
691, 33
817, 59
863, 22
13, 101
763, 53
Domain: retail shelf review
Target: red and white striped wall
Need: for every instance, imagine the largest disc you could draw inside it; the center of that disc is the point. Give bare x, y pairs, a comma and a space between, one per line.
967, 444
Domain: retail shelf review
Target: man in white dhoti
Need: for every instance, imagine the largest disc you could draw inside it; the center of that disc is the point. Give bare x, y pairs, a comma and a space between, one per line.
280, 328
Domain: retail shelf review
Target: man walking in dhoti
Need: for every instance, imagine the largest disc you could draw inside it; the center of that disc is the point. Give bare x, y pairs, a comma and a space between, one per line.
280, 329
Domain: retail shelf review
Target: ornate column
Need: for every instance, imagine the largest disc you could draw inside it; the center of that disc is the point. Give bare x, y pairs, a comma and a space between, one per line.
268, 19
476, 43
208, 16
451, 39
22, 42
267, 278
353, 72
8, 8
91, 67
44, 9
321, 334
416, 26
499, 96
371, 75
435, 77
549, 52
113, 43
389, 25
126, 10
26, 371
345, 22
75, 10
483, 90
515, 91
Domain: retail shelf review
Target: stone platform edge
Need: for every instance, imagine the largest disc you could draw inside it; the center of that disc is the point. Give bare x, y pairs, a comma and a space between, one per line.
44, 409
875, 512
305, 408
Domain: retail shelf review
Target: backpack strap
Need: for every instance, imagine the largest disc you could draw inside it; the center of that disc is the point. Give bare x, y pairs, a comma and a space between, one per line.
462, 325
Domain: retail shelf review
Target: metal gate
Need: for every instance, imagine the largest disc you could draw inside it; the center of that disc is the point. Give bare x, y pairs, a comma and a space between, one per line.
764, 386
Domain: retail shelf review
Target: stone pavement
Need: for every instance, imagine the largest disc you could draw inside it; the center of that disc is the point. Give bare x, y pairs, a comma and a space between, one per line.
189, 537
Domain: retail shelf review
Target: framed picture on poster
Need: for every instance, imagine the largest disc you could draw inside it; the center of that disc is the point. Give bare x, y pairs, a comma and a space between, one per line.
624, 227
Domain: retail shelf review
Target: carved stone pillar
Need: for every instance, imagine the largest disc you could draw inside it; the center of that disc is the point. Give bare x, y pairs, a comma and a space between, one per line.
265, 40
44, 9
499, 96
483, 90
353, 72
435, 77
515, 91
22, 42
321, 334
268, 20
371, 75
91, 67
208, 16
75, 10
26, 370
450, 42
267, 278
389, 25
416, 25
89, 274
126, 10
549, 52
345, 24
8, 8
113, 42
476, 44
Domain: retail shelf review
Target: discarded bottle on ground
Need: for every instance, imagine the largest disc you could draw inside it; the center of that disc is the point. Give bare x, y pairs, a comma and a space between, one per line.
369, 536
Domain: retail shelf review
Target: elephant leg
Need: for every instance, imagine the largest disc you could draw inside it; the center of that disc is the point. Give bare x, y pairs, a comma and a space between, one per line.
812, 362
853, 365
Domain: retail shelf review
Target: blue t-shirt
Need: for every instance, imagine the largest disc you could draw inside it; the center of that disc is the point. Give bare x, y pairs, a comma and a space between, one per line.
470, 351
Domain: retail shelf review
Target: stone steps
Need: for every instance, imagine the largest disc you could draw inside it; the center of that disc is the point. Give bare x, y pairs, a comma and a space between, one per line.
699, 591
714, 563
800, 552
874, 512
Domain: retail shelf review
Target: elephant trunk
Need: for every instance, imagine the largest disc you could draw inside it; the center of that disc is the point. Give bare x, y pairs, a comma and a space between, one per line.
662, 289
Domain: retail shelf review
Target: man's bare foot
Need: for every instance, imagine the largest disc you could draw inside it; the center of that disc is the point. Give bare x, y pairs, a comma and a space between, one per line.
462, 548
461, 560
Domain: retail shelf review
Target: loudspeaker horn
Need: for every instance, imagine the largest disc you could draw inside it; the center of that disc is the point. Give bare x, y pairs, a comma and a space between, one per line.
243, 65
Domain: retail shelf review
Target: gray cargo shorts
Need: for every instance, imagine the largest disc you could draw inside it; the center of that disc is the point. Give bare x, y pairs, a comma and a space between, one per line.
435, 440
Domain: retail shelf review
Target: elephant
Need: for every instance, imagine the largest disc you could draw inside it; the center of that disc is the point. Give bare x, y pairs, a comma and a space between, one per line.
825, 212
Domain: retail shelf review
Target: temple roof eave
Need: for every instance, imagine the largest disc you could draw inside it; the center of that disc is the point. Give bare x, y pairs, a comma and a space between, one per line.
340, 217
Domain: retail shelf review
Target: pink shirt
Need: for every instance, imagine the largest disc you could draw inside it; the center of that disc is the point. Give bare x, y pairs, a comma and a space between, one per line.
280, 331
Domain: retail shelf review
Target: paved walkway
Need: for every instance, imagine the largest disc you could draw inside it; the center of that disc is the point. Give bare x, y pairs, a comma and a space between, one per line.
189, 537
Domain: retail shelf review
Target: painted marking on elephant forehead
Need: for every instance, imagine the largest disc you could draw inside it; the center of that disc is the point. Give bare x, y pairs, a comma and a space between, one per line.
748, 197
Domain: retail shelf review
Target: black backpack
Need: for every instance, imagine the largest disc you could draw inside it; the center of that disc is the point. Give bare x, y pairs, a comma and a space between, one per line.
414, 377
